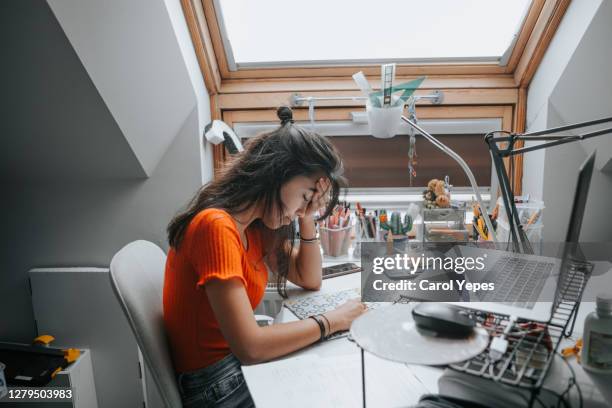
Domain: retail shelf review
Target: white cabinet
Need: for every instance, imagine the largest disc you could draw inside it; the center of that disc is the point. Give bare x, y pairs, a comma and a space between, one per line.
79, 377
78, 307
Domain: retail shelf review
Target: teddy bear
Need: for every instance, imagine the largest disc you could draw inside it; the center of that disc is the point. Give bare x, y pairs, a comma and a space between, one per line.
436, 195
442, 201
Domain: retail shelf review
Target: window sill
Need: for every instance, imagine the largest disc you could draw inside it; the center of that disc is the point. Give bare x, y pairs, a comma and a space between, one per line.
393, 200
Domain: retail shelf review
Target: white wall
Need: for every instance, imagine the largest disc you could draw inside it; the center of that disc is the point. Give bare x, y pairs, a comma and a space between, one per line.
183, 37
565, 41
84, 223
76, 218
571, 85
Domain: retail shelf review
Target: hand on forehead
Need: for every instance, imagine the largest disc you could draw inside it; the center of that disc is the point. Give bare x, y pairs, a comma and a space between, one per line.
322, 185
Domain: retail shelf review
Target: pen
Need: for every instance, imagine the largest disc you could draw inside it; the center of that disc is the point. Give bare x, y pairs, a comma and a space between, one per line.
480, 227
534, 217
480, 232
340, 221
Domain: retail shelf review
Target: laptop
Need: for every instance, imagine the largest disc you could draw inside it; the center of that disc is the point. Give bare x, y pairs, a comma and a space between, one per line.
527, 285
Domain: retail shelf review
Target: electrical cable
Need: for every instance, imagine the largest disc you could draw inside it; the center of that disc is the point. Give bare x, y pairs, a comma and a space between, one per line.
511, 187
509, 240
540, 402
573, 381
564, 397
560, 397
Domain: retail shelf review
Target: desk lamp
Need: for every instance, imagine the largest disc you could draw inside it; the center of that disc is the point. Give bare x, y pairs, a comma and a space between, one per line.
549, 137
217, 132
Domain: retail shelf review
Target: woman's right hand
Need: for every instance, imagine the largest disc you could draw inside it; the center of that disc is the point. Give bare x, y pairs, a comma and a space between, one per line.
341, 318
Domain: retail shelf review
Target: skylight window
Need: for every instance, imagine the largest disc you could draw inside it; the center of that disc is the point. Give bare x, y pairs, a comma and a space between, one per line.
272, 33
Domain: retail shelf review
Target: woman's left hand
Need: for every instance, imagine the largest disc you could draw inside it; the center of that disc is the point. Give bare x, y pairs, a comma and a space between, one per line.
320, 198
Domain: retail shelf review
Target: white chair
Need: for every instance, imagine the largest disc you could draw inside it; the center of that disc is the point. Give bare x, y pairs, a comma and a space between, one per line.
137, 276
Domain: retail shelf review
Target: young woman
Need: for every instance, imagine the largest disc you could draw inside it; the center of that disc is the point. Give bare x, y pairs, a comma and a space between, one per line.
221, 247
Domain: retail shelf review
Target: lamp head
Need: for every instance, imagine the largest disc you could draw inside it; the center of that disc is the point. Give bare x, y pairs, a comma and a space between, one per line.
219, 132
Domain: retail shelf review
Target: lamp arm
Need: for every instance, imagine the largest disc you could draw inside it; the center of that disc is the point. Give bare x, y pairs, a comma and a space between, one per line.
519, 238
465, 168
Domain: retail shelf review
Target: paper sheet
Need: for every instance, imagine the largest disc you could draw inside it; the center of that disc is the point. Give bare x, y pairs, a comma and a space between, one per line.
324, 302
308, 381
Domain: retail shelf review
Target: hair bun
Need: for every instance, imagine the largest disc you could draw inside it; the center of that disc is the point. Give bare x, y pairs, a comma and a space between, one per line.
285, 114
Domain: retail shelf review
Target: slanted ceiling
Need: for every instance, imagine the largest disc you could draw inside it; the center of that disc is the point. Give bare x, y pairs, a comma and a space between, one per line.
583, 90
54, 123
94, 90
131, 52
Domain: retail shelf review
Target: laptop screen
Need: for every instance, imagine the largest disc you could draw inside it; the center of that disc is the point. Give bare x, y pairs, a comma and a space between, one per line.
580, 197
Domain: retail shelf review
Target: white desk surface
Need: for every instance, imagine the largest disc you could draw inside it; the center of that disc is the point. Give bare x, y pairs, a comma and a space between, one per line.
380, 374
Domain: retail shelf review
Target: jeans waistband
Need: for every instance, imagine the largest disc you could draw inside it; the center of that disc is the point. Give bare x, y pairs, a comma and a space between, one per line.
215, 371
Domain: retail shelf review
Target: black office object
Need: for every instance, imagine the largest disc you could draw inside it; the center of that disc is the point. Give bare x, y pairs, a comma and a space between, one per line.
550, 138
443, 320
31, 365
532, 345
580, 197
340, 269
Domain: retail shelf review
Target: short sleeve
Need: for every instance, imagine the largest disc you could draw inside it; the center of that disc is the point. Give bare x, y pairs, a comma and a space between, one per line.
215, 249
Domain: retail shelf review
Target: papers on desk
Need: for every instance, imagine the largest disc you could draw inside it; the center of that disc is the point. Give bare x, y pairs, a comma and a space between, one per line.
318, 303
308, 381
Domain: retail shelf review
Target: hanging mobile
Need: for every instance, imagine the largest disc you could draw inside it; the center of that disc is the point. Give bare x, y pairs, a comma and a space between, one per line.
412, 157
412, 142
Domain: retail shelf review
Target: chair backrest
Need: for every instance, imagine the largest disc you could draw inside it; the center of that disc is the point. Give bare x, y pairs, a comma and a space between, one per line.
137, 276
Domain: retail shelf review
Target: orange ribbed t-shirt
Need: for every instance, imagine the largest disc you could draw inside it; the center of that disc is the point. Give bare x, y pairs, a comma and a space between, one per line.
211, 249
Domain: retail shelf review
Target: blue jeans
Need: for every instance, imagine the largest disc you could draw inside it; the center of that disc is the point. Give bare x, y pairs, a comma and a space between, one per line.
220, 385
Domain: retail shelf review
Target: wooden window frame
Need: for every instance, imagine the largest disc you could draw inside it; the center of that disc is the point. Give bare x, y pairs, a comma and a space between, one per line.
503, 112
536, 30
476, 86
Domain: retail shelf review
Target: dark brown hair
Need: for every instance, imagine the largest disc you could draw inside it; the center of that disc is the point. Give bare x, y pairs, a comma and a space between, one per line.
256, 176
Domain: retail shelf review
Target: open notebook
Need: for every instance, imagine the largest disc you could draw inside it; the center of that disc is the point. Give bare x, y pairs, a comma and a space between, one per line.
319, 303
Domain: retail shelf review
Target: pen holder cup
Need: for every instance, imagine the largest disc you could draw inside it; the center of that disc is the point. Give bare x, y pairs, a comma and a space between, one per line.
385, 122
534, 232
335, 242
529, 213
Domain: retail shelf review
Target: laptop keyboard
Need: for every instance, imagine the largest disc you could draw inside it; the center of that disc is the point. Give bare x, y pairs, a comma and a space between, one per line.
518, 282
